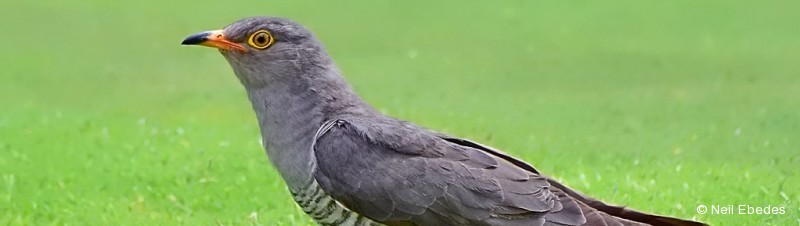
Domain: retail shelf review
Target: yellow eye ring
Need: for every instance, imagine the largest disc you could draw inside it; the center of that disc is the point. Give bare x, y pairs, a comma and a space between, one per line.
261, 39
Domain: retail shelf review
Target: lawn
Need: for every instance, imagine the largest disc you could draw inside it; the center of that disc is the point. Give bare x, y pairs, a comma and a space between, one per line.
661, 106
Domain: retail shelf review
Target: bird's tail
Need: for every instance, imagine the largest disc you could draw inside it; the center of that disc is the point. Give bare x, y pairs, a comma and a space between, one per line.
599, 213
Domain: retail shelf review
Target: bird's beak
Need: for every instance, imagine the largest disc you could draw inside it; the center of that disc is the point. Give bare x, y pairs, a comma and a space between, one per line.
214, 39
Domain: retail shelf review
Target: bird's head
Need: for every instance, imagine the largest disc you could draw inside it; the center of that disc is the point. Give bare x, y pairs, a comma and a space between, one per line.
264, 49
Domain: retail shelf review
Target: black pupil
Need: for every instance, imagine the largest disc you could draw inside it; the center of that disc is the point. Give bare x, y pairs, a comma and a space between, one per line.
260, 39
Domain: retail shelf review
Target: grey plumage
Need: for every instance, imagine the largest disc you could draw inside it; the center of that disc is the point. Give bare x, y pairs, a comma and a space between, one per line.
347, 164
428, 180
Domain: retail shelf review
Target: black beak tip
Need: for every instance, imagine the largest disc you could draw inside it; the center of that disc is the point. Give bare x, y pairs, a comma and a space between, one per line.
195, 39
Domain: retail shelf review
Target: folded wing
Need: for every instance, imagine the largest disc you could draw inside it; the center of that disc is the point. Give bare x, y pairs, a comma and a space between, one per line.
396, 173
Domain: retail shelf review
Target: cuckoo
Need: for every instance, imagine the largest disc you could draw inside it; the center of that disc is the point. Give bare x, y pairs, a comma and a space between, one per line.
345, 163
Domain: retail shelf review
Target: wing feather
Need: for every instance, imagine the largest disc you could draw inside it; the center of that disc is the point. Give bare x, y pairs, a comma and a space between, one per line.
394, 172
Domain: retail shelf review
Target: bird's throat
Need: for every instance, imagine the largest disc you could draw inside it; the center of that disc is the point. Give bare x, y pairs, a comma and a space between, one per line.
289, 113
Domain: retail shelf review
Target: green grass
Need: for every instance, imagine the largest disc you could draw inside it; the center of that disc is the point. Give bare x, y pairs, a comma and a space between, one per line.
661, 106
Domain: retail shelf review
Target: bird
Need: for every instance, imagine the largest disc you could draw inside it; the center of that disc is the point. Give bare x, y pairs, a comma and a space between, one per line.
346, 163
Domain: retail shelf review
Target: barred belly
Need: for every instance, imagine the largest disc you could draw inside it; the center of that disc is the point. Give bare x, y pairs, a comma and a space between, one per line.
325, 211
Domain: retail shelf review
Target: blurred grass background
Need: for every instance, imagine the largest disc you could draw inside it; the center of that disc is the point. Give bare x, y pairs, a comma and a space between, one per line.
661, 106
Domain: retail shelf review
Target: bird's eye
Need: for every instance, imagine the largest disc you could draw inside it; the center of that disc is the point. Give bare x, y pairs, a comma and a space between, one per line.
261, 39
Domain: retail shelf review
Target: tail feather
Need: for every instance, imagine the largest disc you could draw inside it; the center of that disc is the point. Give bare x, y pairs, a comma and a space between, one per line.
595, 207
603, 218
628, 215
592, 217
